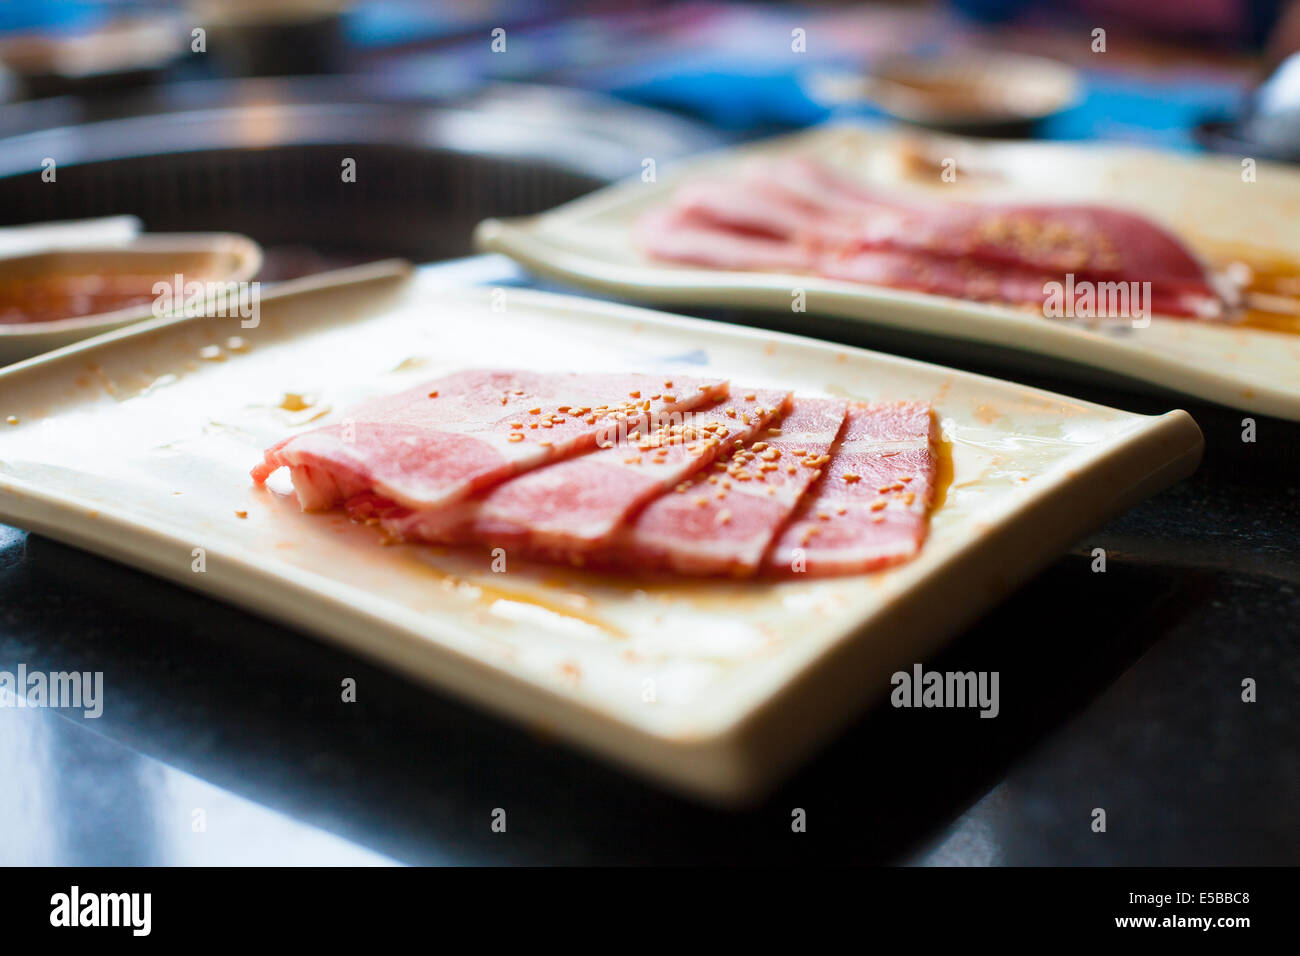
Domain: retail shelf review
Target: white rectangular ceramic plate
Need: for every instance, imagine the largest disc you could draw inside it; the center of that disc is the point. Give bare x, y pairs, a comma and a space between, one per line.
591, 242
134, 446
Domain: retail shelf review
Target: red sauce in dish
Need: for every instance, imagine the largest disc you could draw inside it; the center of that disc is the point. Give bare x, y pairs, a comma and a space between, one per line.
46, 298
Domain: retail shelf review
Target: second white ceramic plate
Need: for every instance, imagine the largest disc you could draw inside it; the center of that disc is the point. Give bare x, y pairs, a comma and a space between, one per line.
591, 243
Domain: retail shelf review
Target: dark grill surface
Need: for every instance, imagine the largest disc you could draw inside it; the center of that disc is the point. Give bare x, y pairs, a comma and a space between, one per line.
421, 204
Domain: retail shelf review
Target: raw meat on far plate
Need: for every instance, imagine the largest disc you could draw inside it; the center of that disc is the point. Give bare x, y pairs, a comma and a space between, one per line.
870, 507
441, 441
797, 215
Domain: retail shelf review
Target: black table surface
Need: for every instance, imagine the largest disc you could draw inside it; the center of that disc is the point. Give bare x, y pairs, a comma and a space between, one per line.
223, 739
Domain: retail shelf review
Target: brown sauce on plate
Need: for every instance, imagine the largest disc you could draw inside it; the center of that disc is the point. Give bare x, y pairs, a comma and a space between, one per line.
1272, 292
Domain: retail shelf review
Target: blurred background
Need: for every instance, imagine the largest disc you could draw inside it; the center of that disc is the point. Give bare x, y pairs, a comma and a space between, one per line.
232, 115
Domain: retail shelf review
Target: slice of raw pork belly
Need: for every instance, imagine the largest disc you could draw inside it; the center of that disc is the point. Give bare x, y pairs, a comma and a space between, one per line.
436, 443
722, 522
795, 214
870, 507
569, 509
682, 235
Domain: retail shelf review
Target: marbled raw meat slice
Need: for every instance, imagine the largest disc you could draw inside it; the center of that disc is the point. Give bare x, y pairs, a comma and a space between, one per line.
723, 522
681, 236
440, 441
1089, 240
870, 508
796, 215
981, 282
572, 508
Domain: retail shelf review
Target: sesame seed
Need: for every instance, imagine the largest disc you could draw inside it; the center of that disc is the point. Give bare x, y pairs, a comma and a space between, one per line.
516, 436
434, 393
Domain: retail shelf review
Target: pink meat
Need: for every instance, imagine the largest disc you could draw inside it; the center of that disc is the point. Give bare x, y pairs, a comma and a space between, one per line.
687, 237
1049, 239
439, 442
796, 215
981, 282
567, 510
722, 521
869, 509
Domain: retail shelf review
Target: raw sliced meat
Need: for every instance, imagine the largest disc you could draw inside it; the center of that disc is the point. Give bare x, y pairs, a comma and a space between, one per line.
1089, 240
439, 442
723, 521
796, 215
686, 237
870, 507
567, 510
982, 282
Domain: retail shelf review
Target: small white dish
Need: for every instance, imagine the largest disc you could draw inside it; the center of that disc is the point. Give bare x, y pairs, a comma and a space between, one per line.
215, 257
